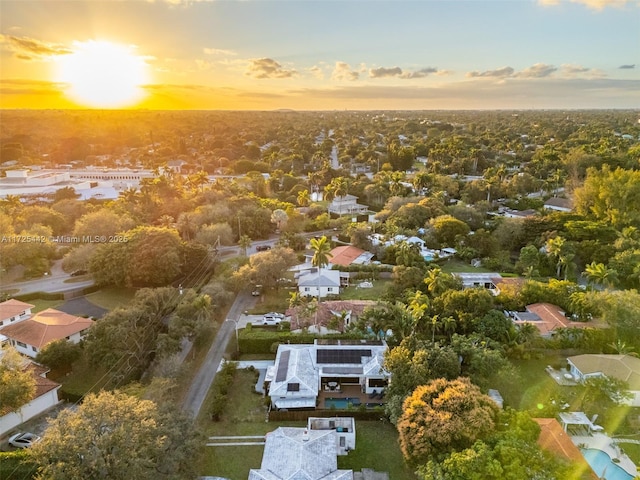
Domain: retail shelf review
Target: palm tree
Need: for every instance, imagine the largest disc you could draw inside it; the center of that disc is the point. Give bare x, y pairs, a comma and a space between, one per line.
436, 281
199, 179
321, 248
303, 198
600, 274
556, 247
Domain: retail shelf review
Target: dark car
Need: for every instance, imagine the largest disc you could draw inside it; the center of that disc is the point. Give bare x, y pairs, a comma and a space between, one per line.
263, 248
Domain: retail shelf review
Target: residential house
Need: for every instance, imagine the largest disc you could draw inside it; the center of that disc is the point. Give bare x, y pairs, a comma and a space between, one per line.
341, 312
291, 453
621, 367
547, 318
300, 372
349, 255
309, 454
44, 398
324, 281
13, 311
30, 336
347, 205
558, 204
489, 281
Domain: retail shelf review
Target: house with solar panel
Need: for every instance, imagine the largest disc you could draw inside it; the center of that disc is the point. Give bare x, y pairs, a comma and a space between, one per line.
327, 374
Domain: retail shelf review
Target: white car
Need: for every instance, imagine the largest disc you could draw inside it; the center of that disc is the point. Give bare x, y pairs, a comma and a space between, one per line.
23, 440
272, 318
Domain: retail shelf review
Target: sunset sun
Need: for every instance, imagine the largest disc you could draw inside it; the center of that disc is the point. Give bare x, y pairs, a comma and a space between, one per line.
103, 74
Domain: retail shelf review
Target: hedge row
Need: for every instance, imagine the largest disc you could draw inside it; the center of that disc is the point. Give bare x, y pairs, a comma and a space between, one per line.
221, 385
26, 297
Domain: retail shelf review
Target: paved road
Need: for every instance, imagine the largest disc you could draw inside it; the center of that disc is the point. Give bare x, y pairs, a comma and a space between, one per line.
51, 283
204, 378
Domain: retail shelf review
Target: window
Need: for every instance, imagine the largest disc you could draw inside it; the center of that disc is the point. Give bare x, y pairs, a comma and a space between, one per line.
293, 387
306, 289
343, 441
330, 289
34, 348
23, 345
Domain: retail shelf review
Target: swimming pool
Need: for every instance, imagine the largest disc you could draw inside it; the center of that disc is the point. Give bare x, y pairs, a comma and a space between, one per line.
341, 403
604, 467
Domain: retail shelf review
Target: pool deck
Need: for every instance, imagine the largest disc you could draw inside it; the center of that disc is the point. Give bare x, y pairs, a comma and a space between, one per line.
603, 442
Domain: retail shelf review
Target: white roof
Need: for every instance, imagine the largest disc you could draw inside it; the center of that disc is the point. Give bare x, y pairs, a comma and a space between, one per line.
300, 454
328, 278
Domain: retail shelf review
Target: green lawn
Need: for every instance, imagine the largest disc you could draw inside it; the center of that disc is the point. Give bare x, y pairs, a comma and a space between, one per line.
356, 293
40, 305
376, 442
111, 297
272, 300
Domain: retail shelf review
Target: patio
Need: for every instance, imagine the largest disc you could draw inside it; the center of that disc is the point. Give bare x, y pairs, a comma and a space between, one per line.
351, 392
562, 377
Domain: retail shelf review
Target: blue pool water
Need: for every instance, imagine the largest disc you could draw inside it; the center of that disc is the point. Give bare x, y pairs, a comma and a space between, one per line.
601, 464
341, 403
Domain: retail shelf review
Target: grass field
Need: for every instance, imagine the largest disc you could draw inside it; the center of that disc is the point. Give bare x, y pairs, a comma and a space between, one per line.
356, 293
40, 305
456, 266
376, 442
111, 297
272, 300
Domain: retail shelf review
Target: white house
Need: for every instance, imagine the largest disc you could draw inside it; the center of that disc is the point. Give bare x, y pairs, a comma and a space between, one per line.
44, 398
622, 367
327, 282
13, 311
489, 281
30, 336
300, 453
347, 205
300, 372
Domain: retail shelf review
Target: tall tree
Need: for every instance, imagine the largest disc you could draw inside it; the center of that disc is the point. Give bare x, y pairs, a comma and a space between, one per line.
600, 274
442, 416
17, 383
114, 436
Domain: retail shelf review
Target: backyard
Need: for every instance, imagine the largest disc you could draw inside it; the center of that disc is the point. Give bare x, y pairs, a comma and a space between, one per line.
376, 444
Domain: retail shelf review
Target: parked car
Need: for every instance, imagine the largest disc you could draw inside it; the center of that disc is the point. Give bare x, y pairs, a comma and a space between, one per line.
23, 440
263, 248
272, 318
257, 291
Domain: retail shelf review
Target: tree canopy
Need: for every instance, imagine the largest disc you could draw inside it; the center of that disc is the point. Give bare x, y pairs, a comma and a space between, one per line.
114, 436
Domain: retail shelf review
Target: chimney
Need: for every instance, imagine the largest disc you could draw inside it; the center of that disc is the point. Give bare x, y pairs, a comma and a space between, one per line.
305, 435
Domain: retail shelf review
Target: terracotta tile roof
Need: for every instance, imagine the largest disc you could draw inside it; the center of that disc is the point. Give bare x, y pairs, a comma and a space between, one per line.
345, 255
326, 312
555, 440
551, 318
13, 307
45, 327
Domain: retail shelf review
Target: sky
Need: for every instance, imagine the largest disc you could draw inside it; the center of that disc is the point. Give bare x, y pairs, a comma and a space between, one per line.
320, 55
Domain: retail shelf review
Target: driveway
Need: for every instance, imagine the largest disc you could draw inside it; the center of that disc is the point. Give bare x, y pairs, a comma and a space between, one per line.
82, 307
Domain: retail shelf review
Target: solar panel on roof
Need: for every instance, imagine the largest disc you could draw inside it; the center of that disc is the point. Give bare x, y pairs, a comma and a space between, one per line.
341, 356
283, 366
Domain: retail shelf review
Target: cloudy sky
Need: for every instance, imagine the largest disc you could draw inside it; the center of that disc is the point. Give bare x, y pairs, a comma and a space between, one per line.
321, 55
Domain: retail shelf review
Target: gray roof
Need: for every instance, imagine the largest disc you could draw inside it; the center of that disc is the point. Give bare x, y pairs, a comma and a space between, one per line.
299, 369
328, 278
300, 454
